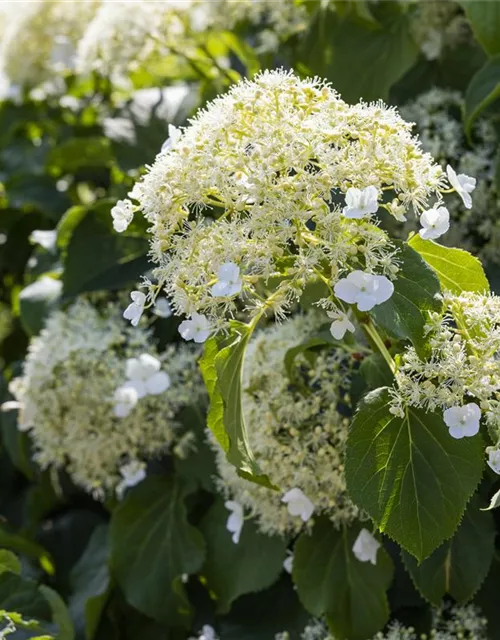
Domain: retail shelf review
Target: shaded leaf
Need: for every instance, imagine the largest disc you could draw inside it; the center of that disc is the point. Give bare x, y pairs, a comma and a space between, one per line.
484, 17
37, 301
483, 90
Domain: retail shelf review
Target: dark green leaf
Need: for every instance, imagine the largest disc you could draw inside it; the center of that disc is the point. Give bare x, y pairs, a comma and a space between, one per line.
78, 153
483, 90
152, 547
409, 474
36, 192
232, 570
461, 564
484, 16
376, 372
404, 314
456, 269
22, 595
332, 582
60, 614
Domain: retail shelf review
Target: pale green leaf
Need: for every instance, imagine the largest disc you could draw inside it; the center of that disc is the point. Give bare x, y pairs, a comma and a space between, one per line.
9, 562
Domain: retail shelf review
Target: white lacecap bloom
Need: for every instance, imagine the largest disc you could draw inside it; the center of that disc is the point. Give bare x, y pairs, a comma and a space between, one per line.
435, 222
46, 239
135, 309
288, 562
144, 375
174, 135
464, 185
298, 504
365, 547
197, 328
132, 474
360, 202
364, 289
463, 422
229, 281
162, 308
122, 214
494, 460
340, 324
126, 398
235, 521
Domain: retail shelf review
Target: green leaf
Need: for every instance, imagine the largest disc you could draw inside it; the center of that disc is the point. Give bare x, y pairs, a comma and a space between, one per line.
409, 474
484, 16
221, 367
483, 90
23, 596
90, 583
456, 269
9, 562
460, 565
98, 258
342, 49
376, 372
37, 301
21, 544
36, 192
78, 153
404, 314
232, 570
60, 614
152, 547
332, 582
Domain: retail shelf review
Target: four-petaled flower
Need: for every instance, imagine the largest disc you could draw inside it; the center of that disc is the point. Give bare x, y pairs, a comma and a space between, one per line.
174, 135
126, 398
288, 562
235, 521
229, 283
144, 375
494, 460
197, 328
298, 504
340, 324
132, 473
464, 185
134, 310
46, 239
364, 289
360, 202
207, 633
162, 308
463, 422
122, 214
365, 547
434, 223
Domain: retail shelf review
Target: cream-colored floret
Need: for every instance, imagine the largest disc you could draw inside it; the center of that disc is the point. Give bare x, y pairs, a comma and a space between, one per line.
295, 429
71, 374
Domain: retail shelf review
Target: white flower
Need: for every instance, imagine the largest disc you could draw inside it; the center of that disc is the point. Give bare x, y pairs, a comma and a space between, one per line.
434, 223
145, 377
162, 308
298, 504
463, 422
235, 521
365, 547
229, 283
360, 202
207, 633
174, 135
288, 563
197, 328
364, 289
463, 185
46, 239
494, 460
340, 324
134, 310
125, 400
122, 214
132, 473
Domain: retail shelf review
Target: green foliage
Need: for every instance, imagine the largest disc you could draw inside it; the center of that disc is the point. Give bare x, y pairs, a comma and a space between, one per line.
410, 476
484, 17
332, 582
483, 91
36, 301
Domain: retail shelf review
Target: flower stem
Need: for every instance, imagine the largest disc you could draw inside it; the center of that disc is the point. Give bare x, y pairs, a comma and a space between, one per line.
375, 337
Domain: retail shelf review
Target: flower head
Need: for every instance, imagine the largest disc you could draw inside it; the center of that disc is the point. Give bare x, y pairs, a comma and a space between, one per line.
229, 281
122, 214
298, 504
463, 185
125, 400
463, 422
360, 202
365, 547
144, 376
235, 521
494, 460
197, 328
135, 309
340, 324
364, 289
434, 223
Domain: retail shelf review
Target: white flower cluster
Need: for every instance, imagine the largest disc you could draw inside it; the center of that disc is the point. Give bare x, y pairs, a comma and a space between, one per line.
39, 38
99, 400
296, 431
462, 373
438, 25
273, 185
449, 623
437, 115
